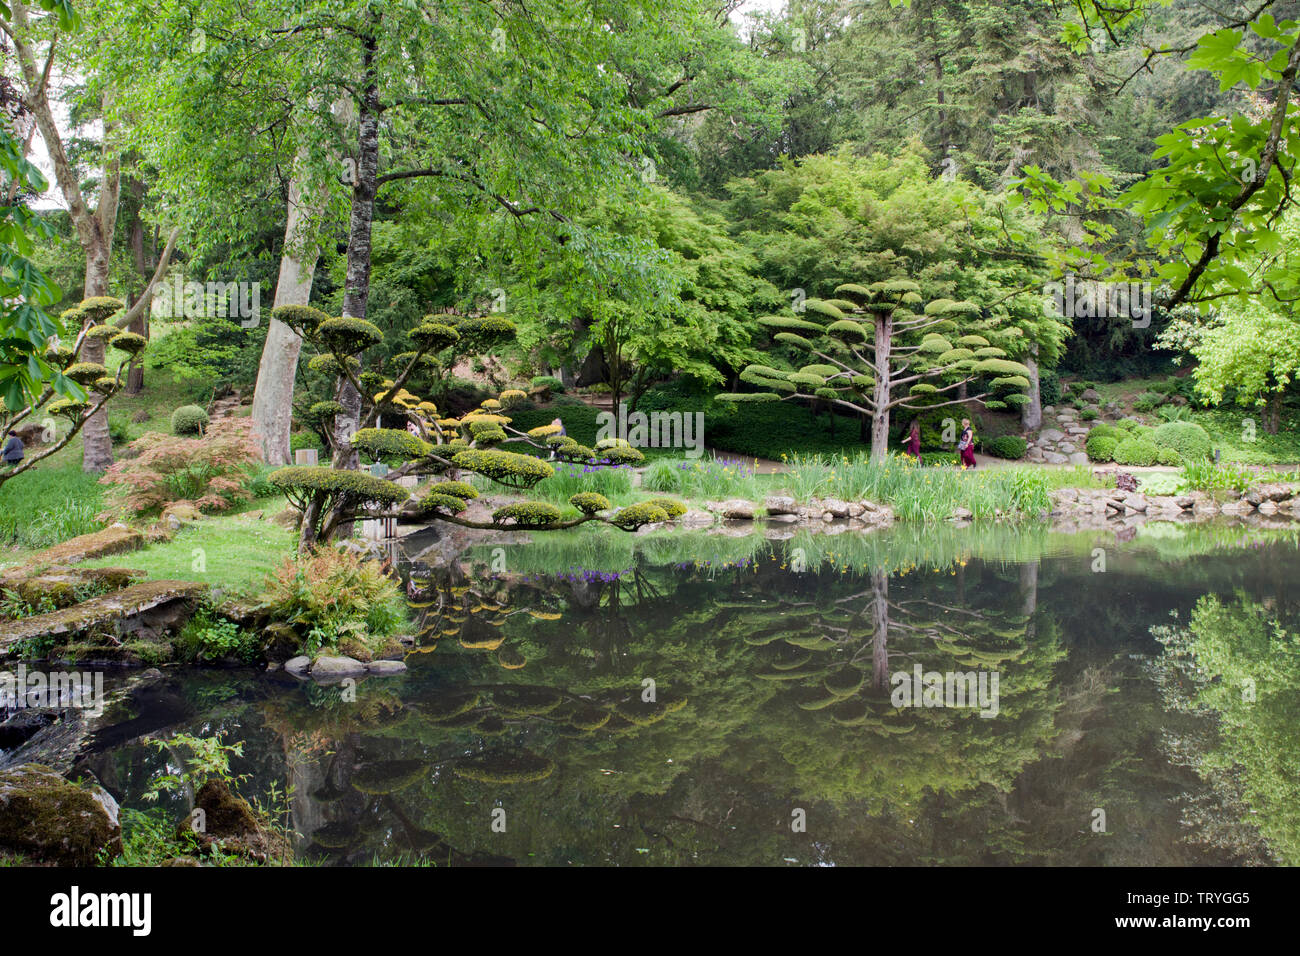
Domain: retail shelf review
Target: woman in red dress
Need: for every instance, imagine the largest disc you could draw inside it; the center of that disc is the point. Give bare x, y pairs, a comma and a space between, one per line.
966, 444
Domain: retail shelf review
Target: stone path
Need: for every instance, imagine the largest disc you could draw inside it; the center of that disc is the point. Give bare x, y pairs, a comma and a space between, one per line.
1060, 441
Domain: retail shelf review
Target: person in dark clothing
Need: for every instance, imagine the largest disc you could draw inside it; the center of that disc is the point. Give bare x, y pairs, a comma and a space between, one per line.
12, 454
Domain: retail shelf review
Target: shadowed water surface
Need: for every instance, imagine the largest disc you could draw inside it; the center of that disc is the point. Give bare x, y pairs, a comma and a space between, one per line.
609, 699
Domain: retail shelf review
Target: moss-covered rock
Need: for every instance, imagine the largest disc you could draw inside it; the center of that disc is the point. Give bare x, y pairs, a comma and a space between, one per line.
168, 604
232, 826
47, 819
115, 540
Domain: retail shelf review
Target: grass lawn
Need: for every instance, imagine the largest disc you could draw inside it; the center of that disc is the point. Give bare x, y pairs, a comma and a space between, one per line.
233, 551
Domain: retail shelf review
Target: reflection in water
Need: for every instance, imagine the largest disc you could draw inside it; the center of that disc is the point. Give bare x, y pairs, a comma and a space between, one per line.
677, 700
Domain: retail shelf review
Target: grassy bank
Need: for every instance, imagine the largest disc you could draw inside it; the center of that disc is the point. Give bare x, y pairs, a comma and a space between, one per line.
234, 552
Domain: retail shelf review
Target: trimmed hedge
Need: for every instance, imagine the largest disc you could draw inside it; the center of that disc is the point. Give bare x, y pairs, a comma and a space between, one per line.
634, 516
589, 502
1006, 446
1136, 451
504, 467
357, 485
1189, 439
189, 420
457, 489
390, 444
671, 506
531, 513
1100, 445
434, 502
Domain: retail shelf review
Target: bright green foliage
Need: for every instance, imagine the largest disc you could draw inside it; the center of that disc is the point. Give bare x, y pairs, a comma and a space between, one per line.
390, 444
457, 489
1191, 441
634, 516
620, 455
85, 373
1169, 456
504, 467
1006, 446
1136, 451
1100, 444
299, 481
189, 420
348, 336
671, 506
589, 502
448, 504
533, 514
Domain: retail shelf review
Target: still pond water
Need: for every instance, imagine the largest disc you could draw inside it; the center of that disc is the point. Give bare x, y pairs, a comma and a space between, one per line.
607, 699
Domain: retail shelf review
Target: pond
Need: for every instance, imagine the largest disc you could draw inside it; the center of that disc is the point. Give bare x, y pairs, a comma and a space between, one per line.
610, 699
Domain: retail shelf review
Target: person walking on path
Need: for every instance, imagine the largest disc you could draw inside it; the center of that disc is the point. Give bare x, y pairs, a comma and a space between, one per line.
966, 444
914, 439
13, 451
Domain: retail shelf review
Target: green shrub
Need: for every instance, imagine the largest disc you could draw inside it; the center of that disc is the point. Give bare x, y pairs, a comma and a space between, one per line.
328, 596
305, 439
1136, 451
208, 637
446, 504
1170, 457
1190, 440
189, 420
120, 428
1006, 446
589, 502
504, 467
621, 455
1088, 414
634, 516
548, 381
1174, 413
457, 489
1147, 402
663, 474
259, 483
1100, 446
672, 507
1129, 424
390, 445
529, 513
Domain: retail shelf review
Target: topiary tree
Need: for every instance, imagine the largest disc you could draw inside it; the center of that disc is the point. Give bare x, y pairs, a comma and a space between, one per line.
189, 420
875, 349
60, 384
329, 497
439, 445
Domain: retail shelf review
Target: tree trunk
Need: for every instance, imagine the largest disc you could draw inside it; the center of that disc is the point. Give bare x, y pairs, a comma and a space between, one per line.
356, 294
97, 444
278, 369
135, 377
94, 228
880, 413
1031, 413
